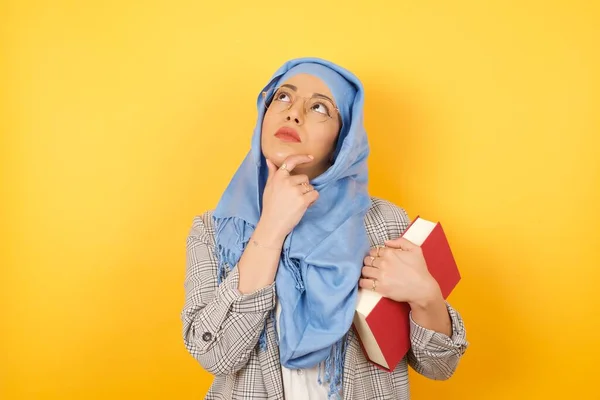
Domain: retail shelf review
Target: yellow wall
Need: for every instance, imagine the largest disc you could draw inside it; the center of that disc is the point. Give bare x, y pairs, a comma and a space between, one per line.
122, 120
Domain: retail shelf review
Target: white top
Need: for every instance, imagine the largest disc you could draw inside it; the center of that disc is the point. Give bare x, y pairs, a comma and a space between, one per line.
301, 384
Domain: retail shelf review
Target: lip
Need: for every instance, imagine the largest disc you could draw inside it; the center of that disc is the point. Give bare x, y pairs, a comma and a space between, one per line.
288, 134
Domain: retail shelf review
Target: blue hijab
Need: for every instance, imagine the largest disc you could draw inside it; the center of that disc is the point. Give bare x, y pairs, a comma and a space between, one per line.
321, 260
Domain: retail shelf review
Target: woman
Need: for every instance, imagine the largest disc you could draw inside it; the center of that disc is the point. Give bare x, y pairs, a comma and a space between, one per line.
273, 273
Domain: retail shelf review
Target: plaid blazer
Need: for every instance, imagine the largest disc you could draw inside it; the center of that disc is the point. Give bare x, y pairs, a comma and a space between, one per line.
221, 327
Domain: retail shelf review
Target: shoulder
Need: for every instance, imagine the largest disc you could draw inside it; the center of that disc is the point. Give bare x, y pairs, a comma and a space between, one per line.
385, 211
202, 227
385, 216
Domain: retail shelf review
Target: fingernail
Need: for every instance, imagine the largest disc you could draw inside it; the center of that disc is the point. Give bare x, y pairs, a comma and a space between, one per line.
311, 157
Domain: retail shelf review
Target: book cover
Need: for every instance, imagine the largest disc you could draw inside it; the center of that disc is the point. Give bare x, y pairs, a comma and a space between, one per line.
381, 324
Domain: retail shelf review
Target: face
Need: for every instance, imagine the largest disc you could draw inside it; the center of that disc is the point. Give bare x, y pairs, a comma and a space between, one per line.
301, 119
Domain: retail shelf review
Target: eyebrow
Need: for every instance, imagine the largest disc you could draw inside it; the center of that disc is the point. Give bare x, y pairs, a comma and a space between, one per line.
295, 89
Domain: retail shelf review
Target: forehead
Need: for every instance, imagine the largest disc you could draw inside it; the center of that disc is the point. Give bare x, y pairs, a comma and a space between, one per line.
308, 84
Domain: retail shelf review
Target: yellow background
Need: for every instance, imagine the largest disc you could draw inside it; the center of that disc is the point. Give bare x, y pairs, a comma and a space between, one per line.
122, 120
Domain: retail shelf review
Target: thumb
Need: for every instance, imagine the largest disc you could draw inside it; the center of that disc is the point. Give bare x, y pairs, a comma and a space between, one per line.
271, 168
401, 243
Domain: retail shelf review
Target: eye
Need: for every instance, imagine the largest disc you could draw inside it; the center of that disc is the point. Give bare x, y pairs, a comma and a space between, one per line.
321, 108
283, 96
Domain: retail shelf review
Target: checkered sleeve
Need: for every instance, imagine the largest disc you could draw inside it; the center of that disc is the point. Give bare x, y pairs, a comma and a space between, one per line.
434, 354
221, 326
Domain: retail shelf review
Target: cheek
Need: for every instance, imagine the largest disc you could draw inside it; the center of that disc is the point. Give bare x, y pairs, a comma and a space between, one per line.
267, 126
270, 122
331, 134
325, 139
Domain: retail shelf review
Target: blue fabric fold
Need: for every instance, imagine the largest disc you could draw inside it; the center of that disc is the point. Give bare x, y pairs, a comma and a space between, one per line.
322, 257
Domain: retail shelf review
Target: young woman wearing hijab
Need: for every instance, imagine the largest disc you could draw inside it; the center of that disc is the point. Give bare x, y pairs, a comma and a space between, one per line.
273, 272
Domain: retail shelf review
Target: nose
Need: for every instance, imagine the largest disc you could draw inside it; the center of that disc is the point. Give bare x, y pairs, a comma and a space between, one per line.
296, 113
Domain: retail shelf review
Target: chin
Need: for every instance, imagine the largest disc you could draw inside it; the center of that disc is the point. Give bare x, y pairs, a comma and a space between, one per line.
278, 157
277, 153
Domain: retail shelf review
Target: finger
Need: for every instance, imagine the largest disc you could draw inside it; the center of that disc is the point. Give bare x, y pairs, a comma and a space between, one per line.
377, 251
370, 261
271, 169
311, 197
305, 188
293, 161
366, 283
402, 244
371, 272
298, 179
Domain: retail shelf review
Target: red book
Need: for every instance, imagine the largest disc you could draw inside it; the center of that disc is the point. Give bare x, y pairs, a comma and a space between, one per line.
383, 325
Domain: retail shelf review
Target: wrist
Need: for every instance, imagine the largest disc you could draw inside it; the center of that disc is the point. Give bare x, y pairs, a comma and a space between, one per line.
431, 296
267, 236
